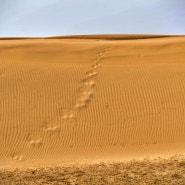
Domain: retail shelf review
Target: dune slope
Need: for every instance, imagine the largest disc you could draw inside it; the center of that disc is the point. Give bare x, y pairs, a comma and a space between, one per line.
90, 100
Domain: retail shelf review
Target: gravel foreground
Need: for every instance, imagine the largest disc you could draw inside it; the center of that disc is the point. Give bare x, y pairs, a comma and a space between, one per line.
159, 171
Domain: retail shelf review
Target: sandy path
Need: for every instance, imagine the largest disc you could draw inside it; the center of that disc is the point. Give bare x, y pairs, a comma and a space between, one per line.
89, 100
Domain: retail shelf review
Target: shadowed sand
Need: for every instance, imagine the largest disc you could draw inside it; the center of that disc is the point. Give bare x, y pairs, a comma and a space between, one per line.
91, 99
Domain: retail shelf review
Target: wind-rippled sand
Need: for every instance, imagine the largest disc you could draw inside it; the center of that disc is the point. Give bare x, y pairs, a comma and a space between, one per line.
91, 99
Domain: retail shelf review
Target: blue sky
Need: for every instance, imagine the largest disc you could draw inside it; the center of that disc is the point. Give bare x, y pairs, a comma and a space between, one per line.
71, 17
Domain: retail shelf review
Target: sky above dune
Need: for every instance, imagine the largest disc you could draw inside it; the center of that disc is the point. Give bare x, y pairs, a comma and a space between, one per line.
69, 17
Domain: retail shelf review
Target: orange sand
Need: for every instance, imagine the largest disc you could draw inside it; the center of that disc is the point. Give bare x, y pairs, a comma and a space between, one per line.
90, 99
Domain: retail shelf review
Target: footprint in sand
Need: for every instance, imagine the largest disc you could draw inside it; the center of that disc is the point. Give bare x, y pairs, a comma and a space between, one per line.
84, 98
91, 73
100, 54
85, 95
96, 66
52, 127
98, 59
17, 157
67, 113
80, 104
36, 143
86, 91
34, 140
90, 83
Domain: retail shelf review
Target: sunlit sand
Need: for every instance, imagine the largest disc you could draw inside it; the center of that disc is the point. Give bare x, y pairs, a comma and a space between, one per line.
91, 99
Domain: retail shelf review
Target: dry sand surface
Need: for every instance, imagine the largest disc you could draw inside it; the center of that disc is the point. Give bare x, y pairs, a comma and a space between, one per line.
91, 99
145, 172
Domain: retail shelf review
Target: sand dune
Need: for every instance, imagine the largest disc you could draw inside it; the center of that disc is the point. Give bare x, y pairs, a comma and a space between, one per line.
90, 100
97, 37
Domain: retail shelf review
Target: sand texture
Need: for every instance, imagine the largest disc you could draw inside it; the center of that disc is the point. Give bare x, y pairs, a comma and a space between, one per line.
145, 172
90, 99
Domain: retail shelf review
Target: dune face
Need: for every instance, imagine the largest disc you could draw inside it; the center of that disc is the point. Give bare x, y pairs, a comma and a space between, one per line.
87, 100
